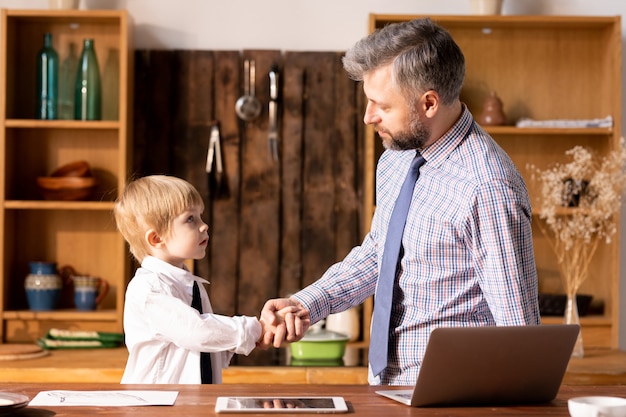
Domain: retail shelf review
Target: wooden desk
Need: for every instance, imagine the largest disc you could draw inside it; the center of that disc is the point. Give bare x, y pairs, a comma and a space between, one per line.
199, 400
598, 367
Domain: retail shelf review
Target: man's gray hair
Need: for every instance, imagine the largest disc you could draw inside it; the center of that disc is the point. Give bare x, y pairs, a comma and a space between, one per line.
423, 54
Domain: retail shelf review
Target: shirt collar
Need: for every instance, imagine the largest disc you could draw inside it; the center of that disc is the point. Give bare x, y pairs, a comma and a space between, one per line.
180, 274
436, 153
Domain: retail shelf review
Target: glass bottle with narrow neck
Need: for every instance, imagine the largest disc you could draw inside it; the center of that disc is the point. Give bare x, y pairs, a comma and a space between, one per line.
47, 80
88, 90
67, 79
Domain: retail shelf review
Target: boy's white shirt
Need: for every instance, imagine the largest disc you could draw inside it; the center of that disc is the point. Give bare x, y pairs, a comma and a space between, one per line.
165, 335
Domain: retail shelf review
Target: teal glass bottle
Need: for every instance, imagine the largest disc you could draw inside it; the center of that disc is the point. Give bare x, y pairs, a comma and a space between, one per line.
88, 89
47, 80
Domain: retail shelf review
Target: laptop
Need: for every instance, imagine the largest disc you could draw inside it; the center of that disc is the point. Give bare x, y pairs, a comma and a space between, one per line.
491, 366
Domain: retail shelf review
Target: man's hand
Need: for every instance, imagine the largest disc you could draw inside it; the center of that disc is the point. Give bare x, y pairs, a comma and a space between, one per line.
283, 319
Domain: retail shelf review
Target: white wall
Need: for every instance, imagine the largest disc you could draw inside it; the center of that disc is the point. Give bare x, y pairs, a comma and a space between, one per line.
321, 25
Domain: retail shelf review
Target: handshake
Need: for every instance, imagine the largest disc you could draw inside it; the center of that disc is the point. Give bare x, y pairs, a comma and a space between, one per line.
282, 320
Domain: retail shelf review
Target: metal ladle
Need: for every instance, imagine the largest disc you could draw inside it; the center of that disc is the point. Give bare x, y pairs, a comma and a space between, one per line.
248, 107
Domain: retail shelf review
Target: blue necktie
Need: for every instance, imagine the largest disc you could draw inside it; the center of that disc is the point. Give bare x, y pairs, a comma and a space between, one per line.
206, 370
379, 339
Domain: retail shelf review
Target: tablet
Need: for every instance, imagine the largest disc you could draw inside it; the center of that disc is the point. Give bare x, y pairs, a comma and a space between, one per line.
280, 404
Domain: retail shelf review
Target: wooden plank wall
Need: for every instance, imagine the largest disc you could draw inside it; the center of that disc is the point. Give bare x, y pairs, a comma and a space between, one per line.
274, 226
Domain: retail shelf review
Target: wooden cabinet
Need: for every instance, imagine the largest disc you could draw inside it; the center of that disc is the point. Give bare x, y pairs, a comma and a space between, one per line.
542, 67
77, 233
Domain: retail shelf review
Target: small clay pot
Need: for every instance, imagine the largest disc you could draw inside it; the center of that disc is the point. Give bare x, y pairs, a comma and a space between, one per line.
493, 114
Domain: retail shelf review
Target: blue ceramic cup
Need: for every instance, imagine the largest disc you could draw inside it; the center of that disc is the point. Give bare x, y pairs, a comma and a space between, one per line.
85, 298
89, 291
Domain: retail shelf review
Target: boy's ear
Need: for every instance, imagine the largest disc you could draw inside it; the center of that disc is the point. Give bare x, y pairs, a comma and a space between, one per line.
153, 238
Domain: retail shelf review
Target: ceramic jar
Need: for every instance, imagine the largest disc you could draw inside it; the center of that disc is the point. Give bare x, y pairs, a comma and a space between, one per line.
63, 4
493, 113
347, 322
43, 286
486, 7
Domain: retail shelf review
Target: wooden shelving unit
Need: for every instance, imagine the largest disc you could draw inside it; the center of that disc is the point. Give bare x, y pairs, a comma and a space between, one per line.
543, 68
77, 233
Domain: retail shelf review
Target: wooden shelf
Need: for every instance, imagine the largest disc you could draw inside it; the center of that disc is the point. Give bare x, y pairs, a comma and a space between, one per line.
66, 17
585, 320
65, 315
506, 22
58, 205
563, 211
545, 131
61, 124
81, 234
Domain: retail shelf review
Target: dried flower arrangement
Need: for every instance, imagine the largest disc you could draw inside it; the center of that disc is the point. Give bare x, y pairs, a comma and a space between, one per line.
578, 201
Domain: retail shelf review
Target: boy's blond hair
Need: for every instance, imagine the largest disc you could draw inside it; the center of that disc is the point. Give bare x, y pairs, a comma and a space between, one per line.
152, 202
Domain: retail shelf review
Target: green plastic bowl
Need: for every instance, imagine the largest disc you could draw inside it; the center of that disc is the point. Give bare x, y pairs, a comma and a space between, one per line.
320, 345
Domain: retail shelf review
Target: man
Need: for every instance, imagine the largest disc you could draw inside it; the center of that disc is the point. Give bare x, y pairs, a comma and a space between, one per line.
466, 256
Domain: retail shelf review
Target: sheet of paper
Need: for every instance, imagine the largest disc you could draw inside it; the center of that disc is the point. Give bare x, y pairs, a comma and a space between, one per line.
104, 398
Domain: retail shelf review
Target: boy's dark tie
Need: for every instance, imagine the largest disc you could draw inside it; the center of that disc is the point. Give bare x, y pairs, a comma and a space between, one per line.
206, 371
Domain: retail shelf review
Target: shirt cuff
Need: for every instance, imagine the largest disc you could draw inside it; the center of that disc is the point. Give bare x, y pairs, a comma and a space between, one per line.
315, 300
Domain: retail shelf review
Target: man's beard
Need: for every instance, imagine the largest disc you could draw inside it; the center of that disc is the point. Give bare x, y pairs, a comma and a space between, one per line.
415, 137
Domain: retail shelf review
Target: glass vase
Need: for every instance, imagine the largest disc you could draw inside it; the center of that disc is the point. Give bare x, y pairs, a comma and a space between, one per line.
571, 317
47, 80
88, 89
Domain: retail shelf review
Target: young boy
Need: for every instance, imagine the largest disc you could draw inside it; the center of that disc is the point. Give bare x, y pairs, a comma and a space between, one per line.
160, 218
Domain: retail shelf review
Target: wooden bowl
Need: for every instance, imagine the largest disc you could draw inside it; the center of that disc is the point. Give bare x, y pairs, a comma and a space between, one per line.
73, 169
66, 188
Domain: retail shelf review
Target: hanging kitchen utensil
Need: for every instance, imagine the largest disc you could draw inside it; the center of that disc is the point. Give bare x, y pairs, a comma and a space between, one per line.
248, 106
214, 157
272, 136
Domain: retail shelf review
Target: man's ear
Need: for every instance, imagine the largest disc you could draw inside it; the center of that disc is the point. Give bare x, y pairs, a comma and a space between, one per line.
430, 103
153, 238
